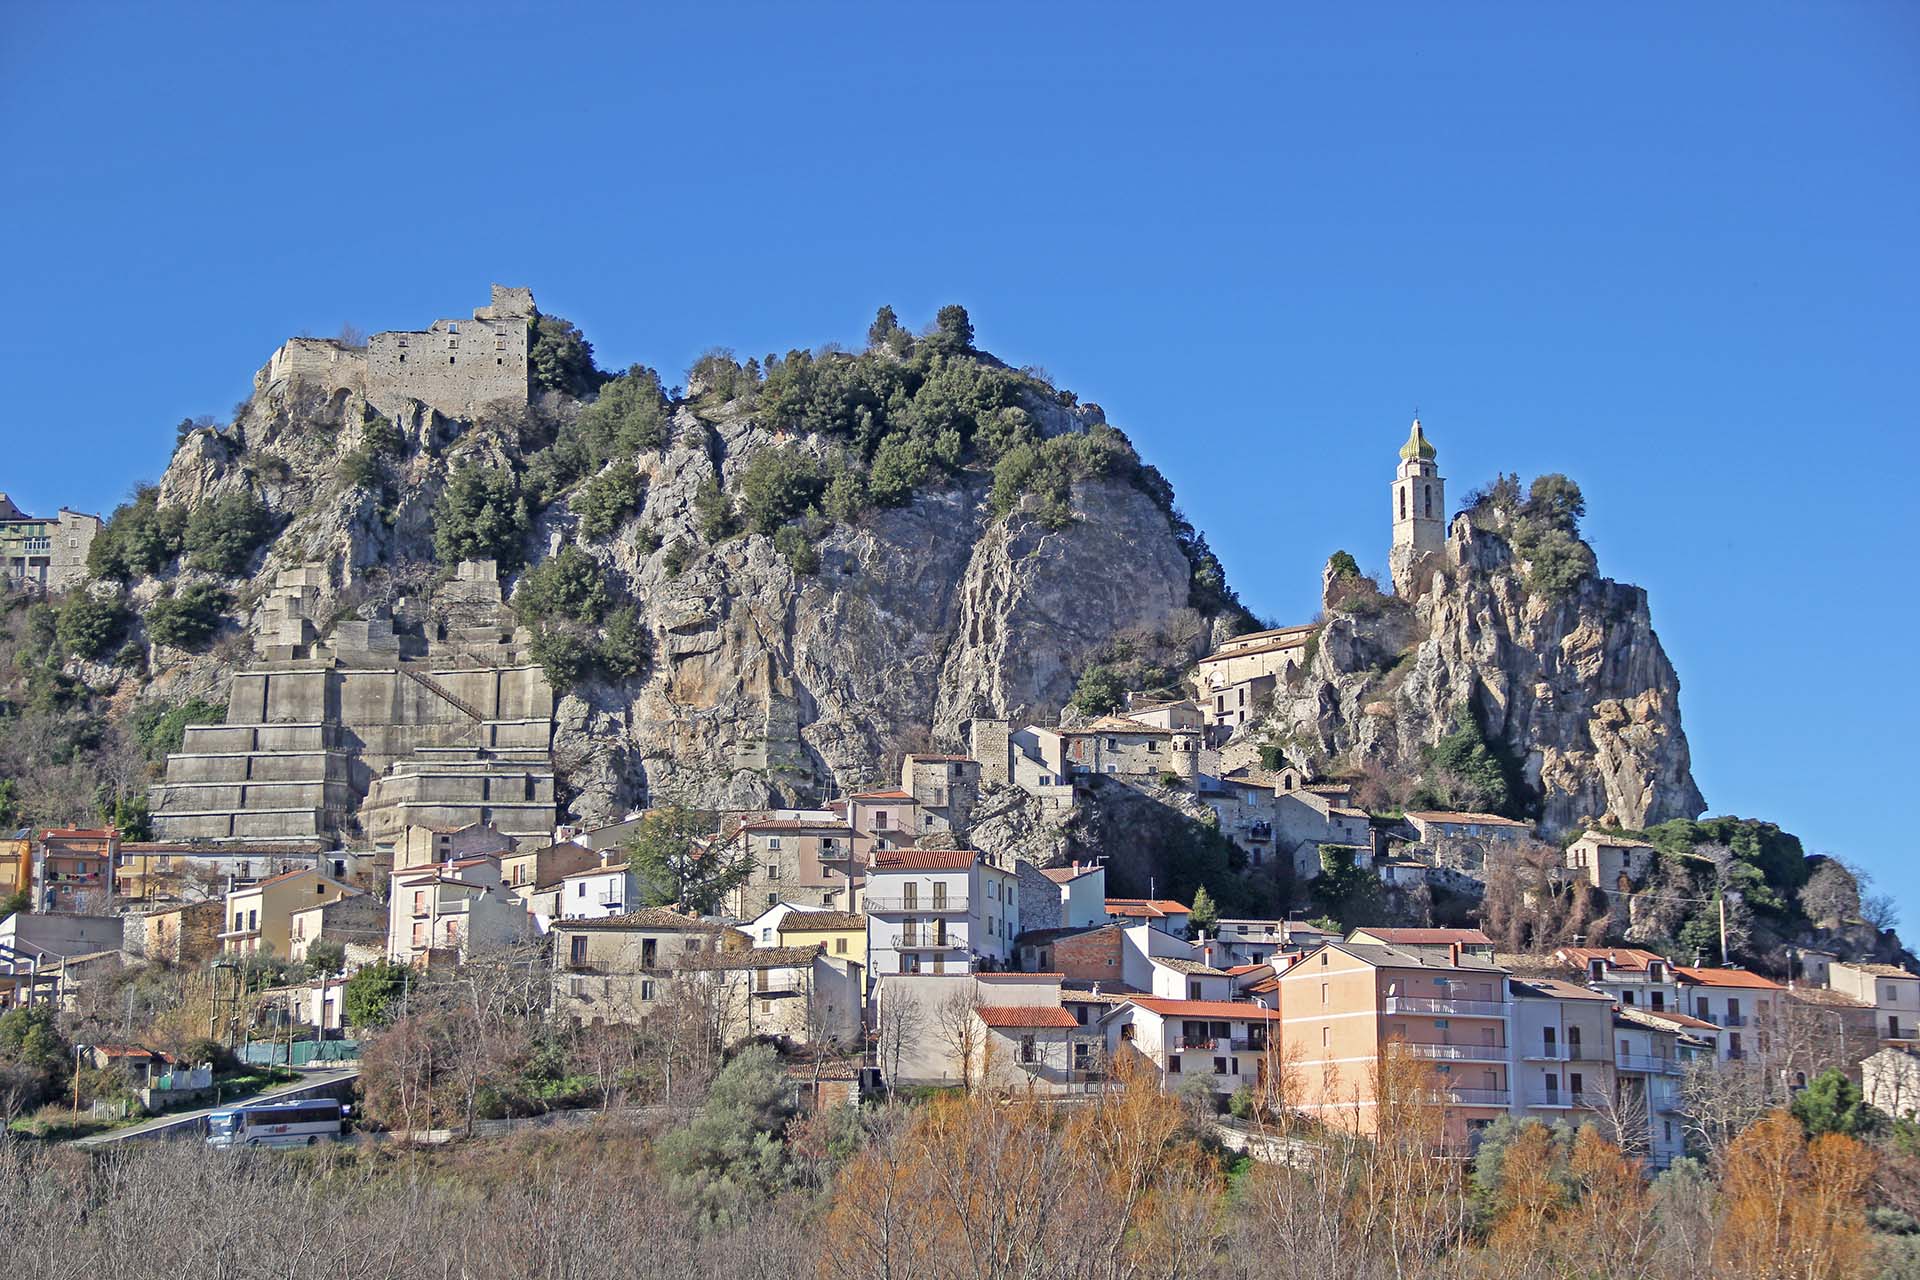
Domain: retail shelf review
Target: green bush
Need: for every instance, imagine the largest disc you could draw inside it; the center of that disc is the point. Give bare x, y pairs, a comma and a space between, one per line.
160, 727
1099, 691
799, 547
630, 415
188, 618
374, 993
560, 358
88, 625
1466, 771
569, 584
565, 651
626, 645
900, 466
223, 534
1341, 564
480, 516
713, 511
647, 539
609, 498
776, 486
141, 537
1546, 534
845, 496
678, 557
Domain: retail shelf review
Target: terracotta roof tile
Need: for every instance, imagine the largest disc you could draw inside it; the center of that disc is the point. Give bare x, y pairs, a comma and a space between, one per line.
1229, 1009
923, 859
1015, 1017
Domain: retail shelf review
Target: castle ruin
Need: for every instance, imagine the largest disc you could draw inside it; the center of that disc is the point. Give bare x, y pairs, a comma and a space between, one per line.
357, 730
456, 367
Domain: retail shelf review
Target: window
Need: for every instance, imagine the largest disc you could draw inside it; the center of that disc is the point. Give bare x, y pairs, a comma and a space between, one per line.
1324, 988
909, 964
1403, 504
1576, 1083
453, 328
773, 871
1221, 1066
581, 889
1429, 489
773, 842
1547, 1036
1573, 1041
1553, 1086
766, 935
1626, 997
839, 946
646, 988
577, 950
1029, 1051
1326, 1038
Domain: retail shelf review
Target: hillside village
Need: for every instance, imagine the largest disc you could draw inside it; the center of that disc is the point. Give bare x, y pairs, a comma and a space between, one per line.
1267, 869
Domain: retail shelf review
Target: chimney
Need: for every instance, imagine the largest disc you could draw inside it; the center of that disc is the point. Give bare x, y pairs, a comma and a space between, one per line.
1453, 954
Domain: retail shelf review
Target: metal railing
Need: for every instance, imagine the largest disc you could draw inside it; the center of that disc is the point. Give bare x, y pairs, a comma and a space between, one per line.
953, 902
917, 941
1646, 1062
1217, 1044
1479, 1097
1442, 1052
1443, 1007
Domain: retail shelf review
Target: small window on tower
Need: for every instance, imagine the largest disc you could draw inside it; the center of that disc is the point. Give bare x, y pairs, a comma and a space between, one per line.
1403, 504
1429, 489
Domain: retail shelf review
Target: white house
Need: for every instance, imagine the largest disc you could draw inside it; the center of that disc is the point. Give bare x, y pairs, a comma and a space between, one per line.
939, 911
597, 892
458, 907
1083, 894
1222, 1042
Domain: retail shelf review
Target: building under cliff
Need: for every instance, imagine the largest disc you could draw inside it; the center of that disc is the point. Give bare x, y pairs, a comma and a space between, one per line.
356, 730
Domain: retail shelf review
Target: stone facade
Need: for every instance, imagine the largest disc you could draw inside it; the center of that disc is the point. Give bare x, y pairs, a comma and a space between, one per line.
188, 933
47, 553
1419, 509
349, 734
455, 366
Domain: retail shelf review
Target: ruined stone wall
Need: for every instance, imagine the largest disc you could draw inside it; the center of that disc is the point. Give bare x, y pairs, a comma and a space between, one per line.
455, 366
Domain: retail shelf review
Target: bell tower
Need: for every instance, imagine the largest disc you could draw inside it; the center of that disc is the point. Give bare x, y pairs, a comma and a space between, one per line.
1419, 507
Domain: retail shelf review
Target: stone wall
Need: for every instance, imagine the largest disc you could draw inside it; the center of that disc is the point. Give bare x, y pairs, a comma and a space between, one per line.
456, 366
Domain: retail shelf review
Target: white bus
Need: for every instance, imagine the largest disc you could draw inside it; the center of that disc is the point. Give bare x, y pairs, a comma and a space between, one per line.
301, 1122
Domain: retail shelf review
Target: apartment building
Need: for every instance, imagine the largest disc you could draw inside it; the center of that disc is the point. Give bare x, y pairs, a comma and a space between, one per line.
795, 855
1345, 1002
1562, 1049
451, 910
1649, 1057
260, 915
73, 869
1636, 979
939, 911
596, 891
1740, 1004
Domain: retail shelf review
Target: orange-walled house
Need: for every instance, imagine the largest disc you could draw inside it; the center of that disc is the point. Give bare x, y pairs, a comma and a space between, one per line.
1342, 1004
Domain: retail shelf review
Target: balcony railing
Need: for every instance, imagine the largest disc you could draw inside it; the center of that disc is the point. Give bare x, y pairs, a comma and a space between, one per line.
929, 942
1478, 1097
955, 903
1728, 1020
1586, 1099
1217, 1044
1440, 1052
1442, 1007
1646, 1062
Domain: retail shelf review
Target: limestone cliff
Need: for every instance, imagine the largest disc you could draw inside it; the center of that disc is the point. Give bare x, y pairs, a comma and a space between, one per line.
1572, 682
765, 684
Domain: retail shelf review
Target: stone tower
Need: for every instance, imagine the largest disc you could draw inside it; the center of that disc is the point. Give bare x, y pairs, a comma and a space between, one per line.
1419, 509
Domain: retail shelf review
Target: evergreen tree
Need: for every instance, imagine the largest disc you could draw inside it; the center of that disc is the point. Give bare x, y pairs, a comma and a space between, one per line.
1205, 914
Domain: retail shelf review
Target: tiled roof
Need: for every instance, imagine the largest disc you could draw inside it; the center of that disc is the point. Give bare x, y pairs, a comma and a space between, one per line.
1615, 841
1676, 1018
941, 759
1556, 989
1115, 724
1727, 978
611, 869
1067, 875
1148, 908
1041, 937
1821, 995
796, 824
923, 859
881, 795
1477, 819
1272, 646
1194, 967
1426, 937
1017, 1017
1617, 957
1241, 970
648, 918
754, 958
813, 921
1386, 957
1230, 1009
1017, 977
1878, 970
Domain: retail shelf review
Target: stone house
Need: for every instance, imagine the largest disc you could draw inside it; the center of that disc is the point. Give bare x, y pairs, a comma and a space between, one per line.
612, 969
1436, 826
1129, 748
1611, 862
1235, 683
525, 869
183, 933
44, 553
1088, 953
945, 790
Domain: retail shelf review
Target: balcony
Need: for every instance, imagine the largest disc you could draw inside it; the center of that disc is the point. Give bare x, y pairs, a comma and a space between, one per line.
1439, 1051
952, 904
1478, 1097
1728, 1019
929, 942
1217, 1044
1428, 1006
1586, 1099
1646, 1064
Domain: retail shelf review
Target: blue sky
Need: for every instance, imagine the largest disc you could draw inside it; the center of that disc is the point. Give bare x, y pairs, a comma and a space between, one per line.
1668, 250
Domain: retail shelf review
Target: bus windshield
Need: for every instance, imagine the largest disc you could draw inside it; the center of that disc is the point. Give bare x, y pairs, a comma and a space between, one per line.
223, 1122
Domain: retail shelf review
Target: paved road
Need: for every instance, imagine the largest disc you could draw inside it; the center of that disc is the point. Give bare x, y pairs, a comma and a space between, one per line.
160, 1126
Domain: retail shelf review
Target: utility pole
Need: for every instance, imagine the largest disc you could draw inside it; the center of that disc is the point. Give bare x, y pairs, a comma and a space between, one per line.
1723, 930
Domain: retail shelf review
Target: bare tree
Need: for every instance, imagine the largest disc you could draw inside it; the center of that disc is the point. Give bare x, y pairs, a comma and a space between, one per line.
961, 1032
898, 1026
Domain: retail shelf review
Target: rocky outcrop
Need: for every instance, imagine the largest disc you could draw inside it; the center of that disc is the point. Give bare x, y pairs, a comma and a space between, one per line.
1575, 684
766, 686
